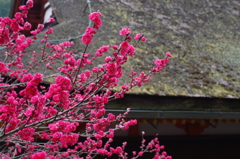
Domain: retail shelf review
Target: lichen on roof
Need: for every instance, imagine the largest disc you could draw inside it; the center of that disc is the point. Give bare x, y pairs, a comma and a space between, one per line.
203, 37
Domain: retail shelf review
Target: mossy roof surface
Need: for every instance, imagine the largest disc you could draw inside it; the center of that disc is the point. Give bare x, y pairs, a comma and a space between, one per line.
203, 37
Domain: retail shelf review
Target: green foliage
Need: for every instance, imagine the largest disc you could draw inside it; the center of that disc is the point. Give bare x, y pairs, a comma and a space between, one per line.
4, 8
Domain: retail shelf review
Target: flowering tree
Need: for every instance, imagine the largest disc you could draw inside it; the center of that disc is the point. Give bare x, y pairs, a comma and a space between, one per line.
40, 121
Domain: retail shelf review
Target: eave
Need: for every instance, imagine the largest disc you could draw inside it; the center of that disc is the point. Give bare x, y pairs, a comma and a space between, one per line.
156, 114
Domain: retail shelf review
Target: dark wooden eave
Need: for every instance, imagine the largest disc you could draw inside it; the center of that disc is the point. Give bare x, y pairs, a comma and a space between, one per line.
175, 103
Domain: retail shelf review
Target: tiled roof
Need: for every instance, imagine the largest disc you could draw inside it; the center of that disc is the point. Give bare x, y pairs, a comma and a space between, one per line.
203, 37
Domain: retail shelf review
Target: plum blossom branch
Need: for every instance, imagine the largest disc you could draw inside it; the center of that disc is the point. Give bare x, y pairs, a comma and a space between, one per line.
43, 120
